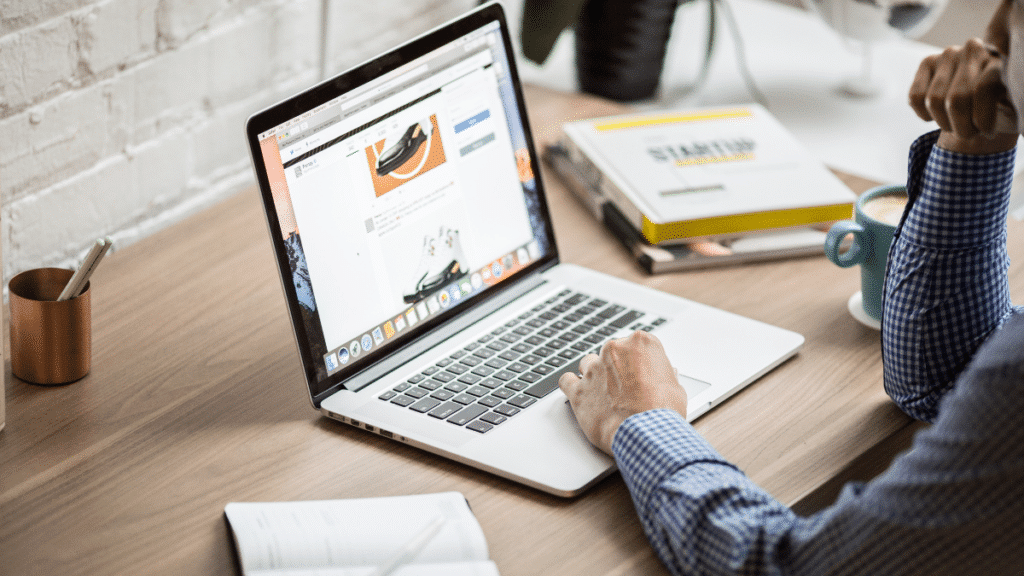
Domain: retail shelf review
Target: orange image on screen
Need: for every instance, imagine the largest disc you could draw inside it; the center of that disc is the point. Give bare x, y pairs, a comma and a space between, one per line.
405, 155
279, 186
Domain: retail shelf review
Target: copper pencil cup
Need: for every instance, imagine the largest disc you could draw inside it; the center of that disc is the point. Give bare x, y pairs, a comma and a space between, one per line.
51, 342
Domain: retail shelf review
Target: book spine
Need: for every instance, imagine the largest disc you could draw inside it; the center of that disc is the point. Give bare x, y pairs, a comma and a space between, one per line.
603, 211
558, 158
597, 178
652, 259
631, 239
656, 259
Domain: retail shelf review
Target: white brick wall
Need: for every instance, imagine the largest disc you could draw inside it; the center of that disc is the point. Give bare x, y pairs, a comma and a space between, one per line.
119, 117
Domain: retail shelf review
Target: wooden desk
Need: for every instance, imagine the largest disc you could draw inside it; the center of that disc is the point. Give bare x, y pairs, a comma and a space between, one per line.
196, 399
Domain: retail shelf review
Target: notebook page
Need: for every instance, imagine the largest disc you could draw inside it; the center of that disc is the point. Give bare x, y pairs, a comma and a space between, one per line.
353, 532
443, 569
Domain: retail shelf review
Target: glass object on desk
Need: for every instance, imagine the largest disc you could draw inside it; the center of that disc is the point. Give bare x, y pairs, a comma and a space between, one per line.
868, 21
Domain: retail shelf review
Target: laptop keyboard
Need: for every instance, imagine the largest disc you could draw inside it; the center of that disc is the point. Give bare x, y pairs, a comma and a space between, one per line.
507, 370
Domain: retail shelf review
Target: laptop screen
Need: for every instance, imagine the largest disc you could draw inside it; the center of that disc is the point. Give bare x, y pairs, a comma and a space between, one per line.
402, 193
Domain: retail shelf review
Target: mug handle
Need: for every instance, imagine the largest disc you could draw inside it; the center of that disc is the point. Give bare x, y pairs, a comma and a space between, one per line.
834, 238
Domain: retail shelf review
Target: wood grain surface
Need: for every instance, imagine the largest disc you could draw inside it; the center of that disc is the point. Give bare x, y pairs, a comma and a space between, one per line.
196, 399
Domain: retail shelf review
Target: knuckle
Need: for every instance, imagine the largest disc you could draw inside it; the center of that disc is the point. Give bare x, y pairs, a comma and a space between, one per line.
587, 363
918, 90
951, 52
611, 346
643, 337
607, 347
929, 65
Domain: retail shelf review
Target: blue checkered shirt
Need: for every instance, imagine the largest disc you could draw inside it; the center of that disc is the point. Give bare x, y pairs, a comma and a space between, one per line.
954, 503
946, 288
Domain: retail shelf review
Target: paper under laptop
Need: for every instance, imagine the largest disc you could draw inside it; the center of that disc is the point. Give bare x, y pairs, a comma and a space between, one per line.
421, 274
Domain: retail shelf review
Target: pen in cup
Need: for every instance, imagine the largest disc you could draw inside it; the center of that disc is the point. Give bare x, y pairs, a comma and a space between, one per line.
411, 548
81, 277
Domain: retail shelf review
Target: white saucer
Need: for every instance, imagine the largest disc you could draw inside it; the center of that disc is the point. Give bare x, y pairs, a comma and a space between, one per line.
856, 307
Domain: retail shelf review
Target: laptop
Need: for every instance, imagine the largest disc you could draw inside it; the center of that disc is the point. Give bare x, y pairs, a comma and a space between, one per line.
420, 269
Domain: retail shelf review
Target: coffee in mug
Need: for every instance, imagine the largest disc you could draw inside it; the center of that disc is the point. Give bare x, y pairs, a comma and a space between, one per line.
887, 208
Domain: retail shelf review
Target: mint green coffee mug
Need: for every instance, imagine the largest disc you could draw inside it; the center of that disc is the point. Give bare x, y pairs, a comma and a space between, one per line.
876, 215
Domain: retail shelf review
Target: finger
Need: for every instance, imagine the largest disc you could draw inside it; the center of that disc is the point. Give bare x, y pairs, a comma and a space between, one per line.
569, 383
963, 93
608, 348
935, 98
649, 340
587, 364
990, 94
992, 100
919, 87
610, 356
631, 358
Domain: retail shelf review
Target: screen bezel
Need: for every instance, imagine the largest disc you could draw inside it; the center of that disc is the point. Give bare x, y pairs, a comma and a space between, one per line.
352, 79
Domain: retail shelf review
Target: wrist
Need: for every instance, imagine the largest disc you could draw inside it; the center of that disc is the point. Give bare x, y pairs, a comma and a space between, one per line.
610, 428
960, 200
977, 145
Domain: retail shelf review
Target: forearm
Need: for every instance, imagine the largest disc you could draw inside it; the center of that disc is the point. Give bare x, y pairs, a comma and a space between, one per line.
956, 494
946, 287
700, 513
703, 516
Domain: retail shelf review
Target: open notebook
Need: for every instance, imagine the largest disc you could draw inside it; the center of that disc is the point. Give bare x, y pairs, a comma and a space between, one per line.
359, 536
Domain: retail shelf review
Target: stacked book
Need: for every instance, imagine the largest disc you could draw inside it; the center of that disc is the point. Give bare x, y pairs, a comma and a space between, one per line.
701, 188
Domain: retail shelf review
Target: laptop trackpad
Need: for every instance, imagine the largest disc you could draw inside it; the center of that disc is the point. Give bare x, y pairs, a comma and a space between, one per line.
692, 386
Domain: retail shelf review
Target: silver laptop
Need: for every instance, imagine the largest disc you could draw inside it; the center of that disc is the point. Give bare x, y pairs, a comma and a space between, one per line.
420, 269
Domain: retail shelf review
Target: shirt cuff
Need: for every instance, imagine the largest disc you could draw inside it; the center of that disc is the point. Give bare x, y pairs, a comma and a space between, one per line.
958, 201
652, 446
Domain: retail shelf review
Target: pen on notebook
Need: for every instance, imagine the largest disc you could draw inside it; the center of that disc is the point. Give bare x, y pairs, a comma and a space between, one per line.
81, 276
411, 548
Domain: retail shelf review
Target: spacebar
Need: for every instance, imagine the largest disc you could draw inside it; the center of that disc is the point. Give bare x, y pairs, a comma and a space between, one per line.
550, 382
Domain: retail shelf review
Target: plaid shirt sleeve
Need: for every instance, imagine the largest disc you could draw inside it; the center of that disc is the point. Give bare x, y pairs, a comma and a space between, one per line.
946, 287
952, 504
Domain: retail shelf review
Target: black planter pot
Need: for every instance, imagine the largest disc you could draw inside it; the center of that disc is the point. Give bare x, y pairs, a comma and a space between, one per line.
620, 46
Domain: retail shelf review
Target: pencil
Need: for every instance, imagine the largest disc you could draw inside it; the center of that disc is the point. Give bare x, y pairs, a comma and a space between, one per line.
81, 276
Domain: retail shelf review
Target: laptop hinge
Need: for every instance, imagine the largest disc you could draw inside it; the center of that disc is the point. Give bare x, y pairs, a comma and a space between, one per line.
442, 333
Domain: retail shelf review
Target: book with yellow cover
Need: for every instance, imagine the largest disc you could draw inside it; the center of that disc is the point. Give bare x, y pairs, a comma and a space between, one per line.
679, 256
706, 173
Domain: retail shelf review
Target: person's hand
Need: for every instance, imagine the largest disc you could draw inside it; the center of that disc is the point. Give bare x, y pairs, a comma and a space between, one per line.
632, 375
962, 90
